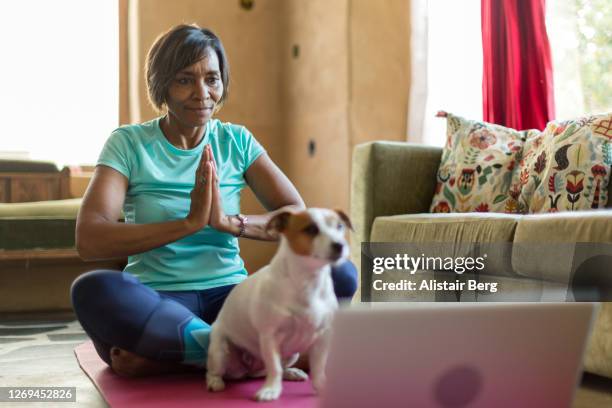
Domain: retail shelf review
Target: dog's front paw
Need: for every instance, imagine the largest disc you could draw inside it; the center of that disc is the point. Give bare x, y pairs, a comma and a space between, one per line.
268, 393
318, 383
214, 383
294, 374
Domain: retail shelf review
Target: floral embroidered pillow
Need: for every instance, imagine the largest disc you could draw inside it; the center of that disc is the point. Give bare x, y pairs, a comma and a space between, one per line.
567, 168
477, 171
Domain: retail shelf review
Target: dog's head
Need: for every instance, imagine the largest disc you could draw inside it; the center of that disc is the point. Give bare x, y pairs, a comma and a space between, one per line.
316, 232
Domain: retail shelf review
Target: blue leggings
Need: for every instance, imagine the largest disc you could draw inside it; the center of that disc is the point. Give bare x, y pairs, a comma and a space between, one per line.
115, 309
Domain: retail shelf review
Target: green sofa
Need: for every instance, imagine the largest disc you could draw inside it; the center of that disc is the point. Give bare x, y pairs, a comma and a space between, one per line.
391, 190
38, 259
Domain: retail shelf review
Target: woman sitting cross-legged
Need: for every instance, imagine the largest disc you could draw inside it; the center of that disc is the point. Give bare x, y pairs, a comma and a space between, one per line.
178, 180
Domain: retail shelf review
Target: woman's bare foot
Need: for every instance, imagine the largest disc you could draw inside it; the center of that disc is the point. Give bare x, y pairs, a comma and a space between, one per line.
127, 364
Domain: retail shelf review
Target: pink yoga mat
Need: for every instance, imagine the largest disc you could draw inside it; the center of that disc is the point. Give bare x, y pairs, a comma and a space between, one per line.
184, 390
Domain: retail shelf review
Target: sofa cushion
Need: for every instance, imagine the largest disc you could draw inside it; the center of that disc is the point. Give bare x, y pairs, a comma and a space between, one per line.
477, 170
38, 225
52, 208
461, 235
468, 227
567, 167
552, 246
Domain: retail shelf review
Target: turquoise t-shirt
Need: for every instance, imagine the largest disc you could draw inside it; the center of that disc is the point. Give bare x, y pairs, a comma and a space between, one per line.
161, 177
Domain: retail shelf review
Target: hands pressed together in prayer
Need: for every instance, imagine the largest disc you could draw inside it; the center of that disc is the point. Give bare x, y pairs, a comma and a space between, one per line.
206, 207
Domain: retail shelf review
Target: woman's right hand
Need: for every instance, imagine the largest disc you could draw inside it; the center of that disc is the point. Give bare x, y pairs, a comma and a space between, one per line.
201, 195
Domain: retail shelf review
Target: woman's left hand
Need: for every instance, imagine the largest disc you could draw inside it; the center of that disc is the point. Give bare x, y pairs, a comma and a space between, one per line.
218, 219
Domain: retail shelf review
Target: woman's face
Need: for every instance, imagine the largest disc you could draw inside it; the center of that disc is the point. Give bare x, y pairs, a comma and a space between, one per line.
195, 91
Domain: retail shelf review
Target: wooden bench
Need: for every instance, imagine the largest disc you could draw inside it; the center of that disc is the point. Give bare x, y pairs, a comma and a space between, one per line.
28, 181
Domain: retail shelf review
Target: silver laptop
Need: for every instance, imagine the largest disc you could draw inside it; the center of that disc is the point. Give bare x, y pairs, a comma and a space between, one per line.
459, 355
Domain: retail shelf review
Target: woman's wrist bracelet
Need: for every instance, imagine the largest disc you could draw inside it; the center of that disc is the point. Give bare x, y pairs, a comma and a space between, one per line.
242, 220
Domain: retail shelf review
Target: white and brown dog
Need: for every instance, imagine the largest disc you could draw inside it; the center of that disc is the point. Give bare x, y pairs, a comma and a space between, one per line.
283, 309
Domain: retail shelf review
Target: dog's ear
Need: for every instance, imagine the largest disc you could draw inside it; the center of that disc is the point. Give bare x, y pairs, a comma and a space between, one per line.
344, 218
278, 223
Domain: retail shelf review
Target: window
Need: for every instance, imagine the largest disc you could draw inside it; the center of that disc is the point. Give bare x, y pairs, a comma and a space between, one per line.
59, 78
454, 65
580, 34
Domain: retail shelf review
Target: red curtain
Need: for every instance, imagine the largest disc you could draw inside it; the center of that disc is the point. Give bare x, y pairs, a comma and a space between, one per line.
517, 86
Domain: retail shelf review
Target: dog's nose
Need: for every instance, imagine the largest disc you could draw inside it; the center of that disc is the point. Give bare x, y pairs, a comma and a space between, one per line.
337, 248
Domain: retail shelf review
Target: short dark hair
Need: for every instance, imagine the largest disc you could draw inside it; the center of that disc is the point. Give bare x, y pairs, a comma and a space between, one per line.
174, 51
